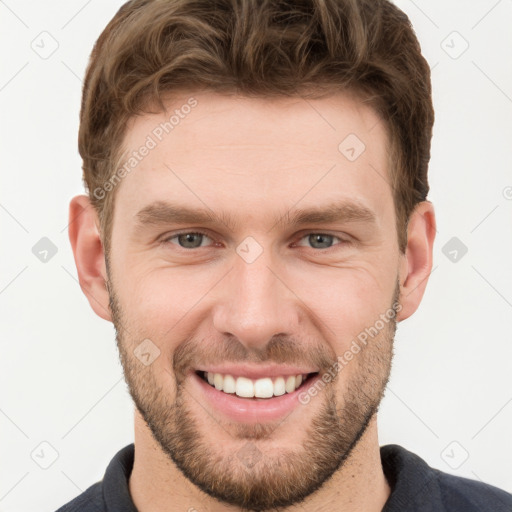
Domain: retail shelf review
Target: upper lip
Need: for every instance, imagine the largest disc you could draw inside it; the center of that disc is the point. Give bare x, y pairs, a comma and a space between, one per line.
257, 372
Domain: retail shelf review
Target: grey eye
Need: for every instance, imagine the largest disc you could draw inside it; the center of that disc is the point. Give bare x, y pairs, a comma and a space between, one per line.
320, 240
189, 240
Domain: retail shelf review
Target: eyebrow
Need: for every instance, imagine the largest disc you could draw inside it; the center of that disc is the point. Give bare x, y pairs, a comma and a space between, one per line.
161, 212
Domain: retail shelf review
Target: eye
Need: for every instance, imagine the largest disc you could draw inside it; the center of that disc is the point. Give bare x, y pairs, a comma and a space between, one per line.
322, 240
187, 240
195, 239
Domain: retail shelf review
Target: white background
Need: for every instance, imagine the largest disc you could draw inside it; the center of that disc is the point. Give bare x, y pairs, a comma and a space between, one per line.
450, 396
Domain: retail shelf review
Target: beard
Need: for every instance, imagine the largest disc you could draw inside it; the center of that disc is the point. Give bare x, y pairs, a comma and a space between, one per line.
248, 476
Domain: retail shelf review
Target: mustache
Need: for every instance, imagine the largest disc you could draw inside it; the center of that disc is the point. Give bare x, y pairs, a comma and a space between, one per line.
279, 350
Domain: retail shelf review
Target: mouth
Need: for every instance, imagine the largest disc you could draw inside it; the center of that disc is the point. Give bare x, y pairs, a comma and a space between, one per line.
265, 388
251, 408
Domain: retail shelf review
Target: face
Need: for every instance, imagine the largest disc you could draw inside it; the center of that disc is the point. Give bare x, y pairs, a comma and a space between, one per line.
292, 265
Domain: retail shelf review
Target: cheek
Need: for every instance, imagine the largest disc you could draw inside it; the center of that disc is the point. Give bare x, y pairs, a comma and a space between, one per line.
345, 301
159, 299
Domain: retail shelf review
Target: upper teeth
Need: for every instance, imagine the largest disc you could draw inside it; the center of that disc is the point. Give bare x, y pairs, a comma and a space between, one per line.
260, 388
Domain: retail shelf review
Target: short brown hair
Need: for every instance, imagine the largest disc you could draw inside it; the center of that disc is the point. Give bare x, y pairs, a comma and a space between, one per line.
307, 48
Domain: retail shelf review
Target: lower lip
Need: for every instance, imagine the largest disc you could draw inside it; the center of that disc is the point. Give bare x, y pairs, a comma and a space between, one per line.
248, 410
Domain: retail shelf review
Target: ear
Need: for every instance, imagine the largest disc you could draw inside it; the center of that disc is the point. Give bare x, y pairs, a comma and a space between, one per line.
416, 263
89, 256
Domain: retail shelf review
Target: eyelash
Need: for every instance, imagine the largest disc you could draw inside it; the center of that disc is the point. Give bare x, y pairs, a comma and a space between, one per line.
168, 239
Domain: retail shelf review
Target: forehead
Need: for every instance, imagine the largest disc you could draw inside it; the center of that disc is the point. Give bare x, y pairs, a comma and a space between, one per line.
253, 155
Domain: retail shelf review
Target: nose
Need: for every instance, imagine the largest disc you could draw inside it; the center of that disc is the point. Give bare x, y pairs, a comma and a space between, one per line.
256, 303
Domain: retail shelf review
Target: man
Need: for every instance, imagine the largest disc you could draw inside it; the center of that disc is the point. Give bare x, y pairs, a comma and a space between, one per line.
255, 227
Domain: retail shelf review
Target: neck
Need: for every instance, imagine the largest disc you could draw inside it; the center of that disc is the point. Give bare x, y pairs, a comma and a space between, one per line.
157, 484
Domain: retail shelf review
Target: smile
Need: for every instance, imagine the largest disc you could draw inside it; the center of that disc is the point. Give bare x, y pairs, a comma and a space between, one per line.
265, 387
240, 399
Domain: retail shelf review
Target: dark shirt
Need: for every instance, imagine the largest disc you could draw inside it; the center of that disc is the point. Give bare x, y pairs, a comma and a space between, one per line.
416, 487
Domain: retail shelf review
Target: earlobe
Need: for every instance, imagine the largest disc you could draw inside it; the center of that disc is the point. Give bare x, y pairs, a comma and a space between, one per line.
416, 264
89, 255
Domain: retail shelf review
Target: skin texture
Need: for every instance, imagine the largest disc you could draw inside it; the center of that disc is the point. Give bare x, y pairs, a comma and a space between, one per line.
300, 301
